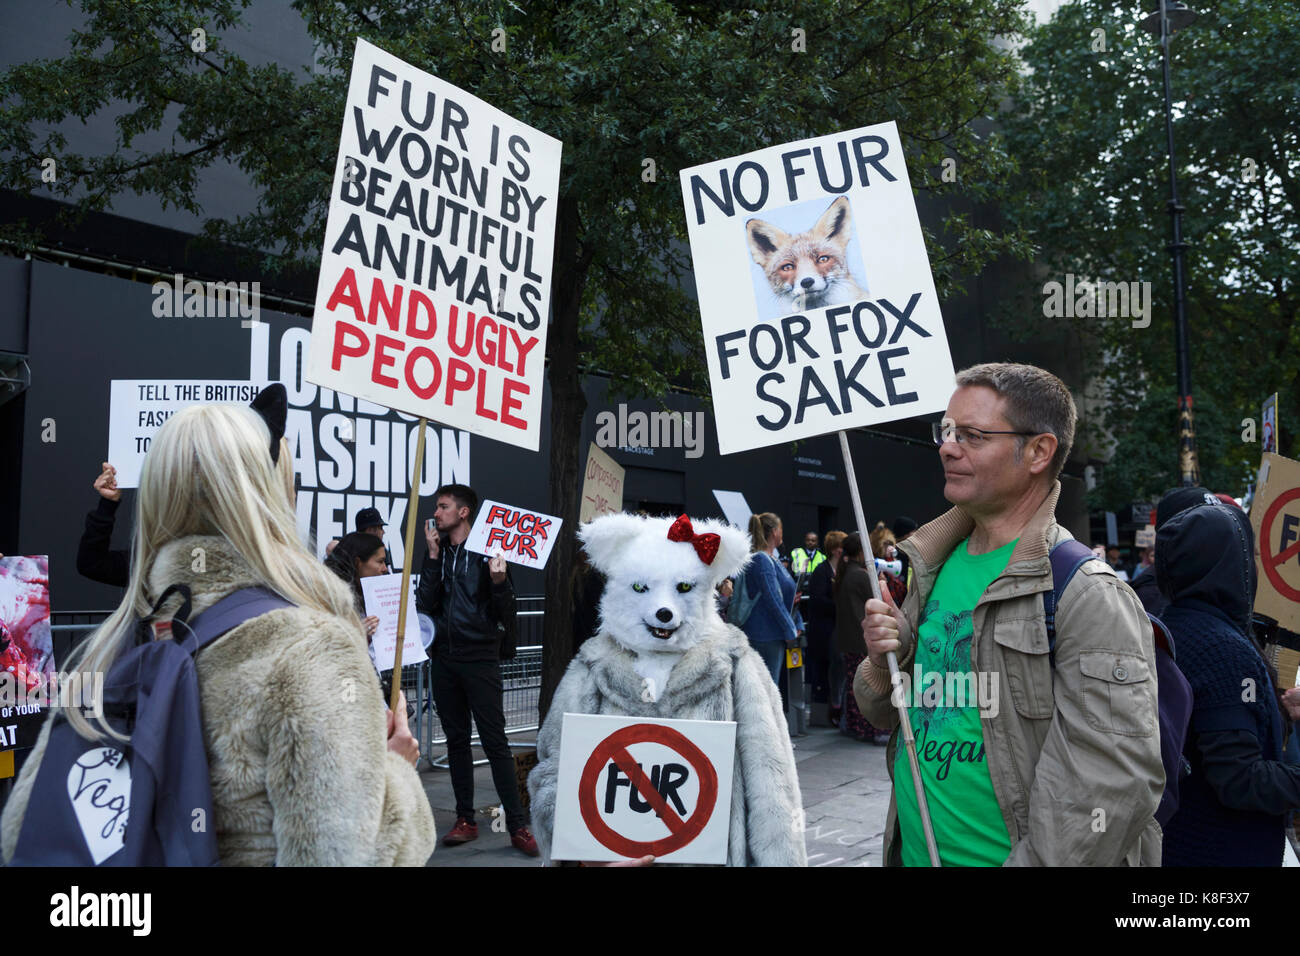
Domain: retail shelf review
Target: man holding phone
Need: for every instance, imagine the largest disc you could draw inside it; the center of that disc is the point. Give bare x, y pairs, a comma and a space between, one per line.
467, 595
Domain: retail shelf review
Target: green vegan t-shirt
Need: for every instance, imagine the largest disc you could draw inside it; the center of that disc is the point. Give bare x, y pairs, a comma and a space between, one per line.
945, 709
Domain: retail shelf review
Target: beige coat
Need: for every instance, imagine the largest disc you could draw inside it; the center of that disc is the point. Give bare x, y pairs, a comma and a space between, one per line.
295, 729
1074, 751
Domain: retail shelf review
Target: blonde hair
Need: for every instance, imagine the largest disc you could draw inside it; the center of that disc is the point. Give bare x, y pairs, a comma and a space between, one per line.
209, 472
880, 539
760, 530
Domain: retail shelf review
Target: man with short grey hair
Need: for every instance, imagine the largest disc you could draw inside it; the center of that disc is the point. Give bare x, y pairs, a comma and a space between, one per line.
1057, 761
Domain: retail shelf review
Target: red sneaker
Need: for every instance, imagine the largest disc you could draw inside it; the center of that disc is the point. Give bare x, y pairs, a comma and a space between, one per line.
523, 841
462, 832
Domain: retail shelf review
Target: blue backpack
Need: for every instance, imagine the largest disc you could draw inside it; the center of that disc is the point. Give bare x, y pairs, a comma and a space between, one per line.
1175, 693
147, 802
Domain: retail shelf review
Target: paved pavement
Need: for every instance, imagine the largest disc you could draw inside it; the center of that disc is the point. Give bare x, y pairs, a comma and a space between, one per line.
845, 796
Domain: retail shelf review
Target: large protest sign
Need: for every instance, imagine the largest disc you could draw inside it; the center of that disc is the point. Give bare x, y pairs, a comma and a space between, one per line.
435, 275
602, 486
519, 535
27, 677
631, 786
818, 307
380, 593
137, 408
1275, 516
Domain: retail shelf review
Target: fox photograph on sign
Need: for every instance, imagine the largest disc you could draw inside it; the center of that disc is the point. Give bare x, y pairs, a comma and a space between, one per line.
435, 276
818, 307
632, 786
519, 535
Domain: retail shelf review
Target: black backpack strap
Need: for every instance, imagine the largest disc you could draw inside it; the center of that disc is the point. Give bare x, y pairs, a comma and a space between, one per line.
230, 612
1066, 557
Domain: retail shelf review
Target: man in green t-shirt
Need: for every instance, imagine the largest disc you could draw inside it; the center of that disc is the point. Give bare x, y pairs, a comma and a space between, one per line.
1024, 759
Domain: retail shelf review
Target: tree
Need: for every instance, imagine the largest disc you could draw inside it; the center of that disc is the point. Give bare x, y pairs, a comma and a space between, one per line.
636, 91
1089, 123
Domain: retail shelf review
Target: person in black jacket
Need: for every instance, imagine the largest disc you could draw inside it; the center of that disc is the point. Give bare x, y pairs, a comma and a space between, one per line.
1232, 805
468, 595
95, 560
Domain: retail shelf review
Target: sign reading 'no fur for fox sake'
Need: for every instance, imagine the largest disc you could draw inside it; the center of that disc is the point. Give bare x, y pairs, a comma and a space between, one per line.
436, 272
818, 306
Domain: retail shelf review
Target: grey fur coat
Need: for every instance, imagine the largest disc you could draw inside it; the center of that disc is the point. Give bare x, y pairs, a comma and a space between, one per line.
720, 678
295, 730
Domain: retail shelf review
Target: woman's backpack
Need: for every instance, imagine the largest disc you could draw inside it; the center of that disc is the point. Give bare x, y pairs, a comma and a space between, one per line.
147, 802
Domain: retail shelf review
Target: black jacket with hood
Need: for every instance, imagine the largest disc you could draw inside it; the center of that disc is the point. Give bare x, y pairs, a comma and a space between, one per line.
456, 590
1231, 807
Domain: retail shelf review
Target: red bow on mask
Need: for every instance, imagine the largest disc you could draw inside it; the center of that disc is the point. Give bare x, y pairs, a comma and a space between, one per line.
706, 545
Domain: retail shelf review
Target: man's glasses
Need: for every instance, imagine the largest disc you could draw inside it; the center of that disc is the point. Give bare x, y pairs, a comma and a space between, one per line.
966, 435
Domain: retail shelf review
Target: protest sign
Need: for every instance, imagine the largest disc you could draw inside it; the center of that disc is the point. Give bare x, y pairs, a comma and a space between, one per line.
435, 275
380, 593
631, 786
602, 486
1145, 537
1269, 427
1275, 517
137, 408
818, 307
520, 536
27, 677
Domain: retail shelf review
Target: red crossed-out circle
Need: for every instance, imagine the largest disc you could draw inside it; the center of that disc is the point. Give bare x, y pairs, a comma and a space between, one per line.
614, 747
1269, 561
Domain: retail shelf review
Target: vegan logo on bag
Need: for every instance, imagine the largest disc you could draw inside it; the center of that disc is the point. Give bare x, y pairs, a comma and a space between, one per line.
99, 786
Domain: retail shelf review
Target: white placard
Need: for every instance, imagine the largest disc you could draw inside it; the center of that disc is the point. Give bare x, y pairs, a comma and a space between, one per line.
818, 306
380, 592
435, 275
519, 535
676, 807
137, 408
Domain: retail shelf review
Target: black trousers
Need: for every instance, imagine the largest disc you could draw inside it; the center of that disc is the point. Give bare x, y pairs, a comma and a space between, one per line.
462, 688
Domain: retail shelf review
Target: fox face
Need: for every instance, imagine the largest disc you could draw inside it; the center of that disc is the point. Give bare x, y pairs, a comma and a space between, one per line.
808, 270
659, 595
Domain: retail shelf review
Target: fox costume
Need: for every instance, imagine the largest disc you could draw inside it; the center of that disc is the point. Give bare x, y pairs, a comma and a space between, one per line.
663, 651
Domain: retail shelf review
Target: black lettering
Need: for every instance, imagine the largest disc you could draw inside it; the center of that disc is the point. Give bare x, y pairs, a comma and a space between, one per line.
753, 347
791, 173
744, 167
674, 776
725, 353
850, 381
873, 160
890, 374
793, 338
369, 139
810, 379
763, 381
880, 325
634, 798
903, 318
832, 315
614, 779
723, 202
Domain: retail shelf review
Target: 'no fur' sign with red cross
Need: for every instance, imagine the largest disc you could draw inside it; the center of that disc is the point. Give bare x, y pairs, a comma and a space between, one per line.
1275, 516
631, 786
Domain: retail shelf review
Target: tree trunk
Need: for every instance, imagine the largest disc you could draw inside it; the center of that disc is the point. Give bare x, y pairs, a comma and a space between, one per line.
568, 405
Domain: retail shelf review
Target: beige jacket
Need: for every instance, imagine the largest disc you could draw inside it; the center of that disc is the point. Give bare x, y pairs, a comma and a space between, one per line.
1073, 751
295, 729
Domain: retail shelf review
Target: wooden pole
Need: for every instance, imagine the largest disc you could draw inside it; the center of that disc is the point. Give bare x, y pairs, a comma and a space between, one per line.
412, 506
895, 678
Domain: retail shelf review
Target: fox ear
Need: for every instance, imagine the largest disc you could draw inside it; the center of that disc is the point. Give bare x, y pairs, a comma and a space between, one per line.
764, 241
834, 224
606, 536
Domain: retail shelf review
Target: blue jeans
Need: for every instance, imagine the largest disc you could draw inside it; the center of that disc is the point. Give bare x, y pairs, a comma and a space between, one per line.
773, 654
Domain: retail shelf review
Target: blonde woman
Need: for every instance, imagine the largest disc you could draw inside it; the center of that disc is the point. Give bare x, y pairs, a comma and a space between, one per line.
301, 758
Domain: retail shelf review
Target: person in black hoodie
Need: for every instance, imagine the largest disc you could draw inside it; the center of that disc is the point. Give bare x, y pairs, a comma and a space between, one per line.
1233, 805
467, 596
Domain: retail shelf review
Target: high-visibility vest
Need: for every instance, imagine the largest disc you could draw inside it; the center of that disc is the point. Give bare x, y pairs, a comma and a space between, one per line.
801, 563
